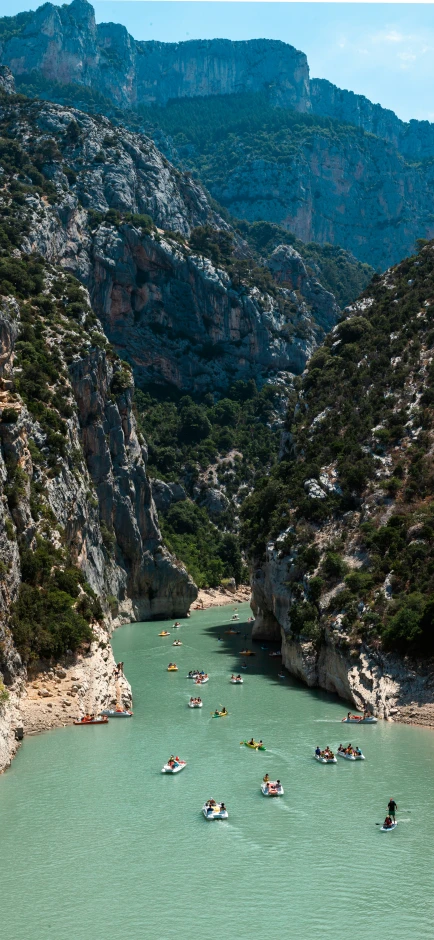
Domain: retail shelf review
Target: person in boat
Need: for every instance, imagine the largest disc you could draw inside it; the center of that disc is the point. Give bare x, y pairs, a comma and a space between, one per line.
252, 741
222, 808
265, 779
357, 752
391, 808
260, 743
318, 751
278, 784
238, 676
267, 787
388, 822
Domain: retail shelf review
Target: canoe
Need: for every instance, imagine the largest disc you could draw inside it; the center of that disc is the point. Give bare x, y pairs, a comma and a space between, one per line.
325, 760
164, 633
113, 713
174, 770
214, 812
359, 721
94, 721
247, 653
219, 714
388, 828
172, 668
195, 704
271, 788
237, 681
255, 746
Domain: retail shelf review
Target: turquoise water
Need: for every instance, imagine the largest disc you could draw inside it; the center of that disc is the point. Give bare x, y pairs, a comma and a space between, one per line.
96, 844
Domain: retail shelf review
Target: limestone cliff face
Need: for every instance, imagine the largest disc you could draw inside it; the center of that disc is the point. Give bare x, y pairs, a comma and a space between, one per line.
384, 683
412, 139
342, 571
177, 317
355, 191
65, 45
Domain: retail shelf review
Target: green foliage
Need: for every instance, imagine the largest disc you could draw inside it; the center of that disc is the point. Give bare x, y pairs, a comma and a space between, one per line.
45, 622
209, 554
216, 245
357, 401
337, 270
13, 25
4, 694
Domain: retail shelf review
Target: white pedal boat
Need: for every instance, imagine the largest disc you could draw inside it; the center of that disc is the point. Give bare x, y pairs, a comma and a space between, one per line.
214, 812
195, 704
237, 681
388, 828
167, 769
116, 713
200, 680
360, 721
350, 756
271, 788
325, 760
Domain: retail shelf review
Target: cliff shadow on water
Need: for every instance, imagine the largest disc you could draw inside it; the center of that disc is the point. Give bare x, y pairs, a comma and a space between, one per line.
261, 664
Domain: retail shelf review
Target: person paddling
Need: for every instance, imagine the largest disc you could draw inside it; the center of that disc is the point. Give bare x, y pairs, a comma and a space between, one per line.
391, 808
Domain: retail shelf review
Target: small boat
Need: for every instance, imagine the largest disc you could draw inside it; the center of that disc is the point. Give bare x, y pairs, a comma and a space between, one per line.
176, 626
172, 667
359, 720
232, 632
217, 714
235, 617
201, 680
281, 675
193, 675
272, 788
256, 746
92, 721
174, 768
164, 633
177, 643
273, 655
247, 653
384, 828
195, 704
351, 756
116, 713
264, 647
325, 760
236, 680
214, 811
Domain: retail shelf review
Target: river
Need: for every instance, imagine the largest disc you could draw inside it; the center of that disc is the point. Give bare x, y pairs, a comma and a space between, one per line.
96, 844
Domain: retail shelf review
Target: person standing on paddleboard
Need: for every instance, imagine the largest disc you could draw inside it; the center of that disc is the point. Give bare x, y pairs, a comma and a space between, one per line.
392, 807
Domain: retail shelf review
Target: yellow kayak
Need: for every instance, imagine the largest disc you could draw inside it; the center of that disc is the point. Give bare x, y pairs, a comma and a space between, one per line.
219, 714
255, 746
164, 633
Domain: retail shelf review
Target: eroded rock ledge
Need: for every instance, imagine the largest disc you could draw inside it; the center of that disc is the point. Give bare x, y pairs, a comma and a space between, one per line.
363, 676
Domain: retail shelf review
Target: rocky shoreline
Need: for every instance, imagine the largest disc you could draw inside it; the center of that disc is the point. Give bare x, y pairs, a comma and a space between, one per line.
385, 684
55, 697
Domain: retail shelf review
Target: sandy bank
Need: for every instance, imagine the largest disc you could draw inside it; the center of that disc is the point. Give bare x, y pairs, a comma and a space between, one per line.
216, 597
58, 696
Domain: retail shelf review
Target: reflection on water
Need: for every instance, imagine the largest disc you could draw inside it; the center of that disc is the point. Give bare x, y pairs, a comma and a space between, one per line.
97, 844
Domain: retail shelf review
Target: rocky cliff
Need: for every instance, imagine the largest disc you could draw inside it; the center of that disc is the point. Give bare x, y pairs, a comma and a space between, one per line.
65, 45
414, 139
178, 316
341, 531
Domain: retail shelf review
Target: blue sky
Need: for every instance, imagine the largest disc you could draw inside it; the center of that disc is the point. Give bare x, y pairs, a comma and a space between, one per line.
382, 50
